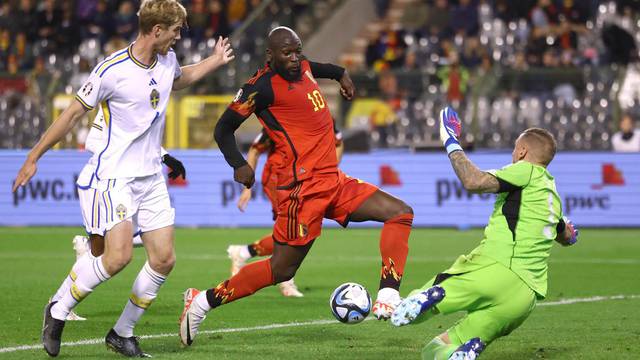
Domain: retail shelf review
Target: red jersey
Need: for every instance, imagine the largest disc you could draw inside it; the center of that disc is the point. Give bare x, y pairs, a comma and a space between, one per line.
296, 117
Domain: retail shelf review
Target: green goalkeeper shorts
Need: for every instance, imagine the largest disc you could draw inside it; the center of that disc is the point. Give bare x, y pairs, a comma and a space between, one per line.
494, 297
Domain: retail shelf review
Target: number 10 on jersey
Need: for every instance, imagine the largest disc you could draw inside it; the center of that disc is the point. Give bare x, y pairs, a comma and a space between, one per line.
316, 100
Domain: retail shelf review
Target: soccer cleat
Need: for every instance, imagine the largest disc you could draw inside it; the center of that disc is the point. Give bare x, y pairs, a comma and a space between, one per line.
51, 331
289, 289
469, 350
80, 245
411, 307
190, 320
239, 256
386, 302
127, 346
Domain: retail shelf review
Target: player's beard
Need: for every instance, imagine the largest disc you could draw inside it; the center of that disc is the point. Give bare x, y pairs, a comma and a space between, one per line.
286, 74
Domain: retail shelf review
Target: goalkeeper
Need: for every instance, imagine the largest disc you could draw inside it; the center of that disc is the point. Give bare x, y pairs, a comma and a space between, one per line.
498, 283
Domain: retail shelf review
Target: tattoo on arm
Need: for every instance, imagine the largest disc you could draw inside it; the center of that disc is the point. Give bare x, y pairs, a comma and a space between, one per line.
472, 178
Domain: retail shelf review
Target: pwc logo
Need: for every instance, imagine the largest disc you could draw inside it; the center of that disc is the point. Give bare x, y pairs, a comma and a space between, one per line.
611, 176
389, 177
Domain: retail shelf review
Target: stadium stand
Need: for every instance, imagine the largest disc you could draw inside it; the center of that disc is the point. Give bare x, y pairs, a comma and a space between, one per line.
507, 65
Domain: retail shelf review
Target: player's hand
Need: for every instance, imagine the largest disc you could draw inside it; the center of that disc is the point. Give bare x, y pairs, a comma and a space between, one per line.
222, 51
177, 169
244, 175
571, 232
245, 196
450, 128
25, 174
347, 89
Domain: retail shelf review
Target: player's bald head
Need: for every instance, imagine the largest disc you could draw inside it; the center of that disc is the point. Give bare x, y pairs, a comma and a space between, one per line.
540, 145
282, 36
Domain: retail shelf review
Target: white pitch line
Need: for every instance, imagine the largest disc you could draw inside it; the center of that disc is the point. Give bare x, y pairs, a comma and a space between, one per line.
295, 324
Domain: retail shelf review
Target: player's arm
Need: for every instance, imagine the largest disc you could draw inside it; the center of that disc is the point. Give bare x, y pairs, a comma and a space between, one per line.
60, 127
473, 179
567, 232
337, 73
222, 54
252, 160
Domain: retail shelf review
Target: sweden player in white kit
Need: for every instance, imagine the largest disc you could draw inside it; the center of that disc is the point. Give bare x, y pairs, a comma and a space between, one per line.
122, 185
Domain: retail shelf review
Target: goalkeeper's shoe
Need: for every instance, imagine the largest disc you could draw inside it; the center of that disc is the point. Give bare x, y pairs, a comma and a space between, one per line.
191, 317
51, 331
469, 350
411, 307
239, 256
388, 299
289, 289
127, 346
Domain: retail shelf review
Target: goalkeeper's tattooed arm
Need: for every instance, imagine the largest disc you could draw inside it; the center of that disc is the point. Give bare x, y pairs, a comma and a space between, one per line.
472, 178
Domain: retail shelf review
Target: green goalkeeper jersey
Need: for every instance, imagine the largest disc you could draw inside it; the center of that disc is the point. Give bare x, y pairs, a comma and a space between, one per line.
522, 227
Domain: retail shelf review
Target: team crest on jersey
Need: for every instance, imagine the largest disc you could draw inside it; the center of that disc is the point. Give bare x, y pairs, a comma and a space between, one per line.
87, 89
121, 211
154, 97
310, 76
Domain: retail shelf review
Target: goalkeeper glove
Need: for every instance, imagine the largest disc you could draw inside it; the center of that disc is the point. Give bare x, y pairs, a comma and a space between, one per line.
177, 169
450, 129
573, 231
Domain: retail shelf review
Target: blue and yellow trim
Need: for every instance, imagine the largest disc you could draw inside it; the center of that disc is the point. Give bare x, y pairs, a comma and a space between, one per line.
84, 104
95, 218
106, 113
101, 66
138, 62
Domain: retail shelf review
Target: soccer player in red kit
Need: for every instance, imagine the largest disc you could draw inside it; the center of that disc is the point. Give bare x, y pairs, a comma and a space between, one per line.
239, 254
287, 100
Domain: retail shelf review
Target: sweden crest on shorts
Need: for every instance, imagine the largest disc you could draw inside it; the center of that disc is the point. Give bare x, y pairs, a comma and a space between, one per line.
154, 98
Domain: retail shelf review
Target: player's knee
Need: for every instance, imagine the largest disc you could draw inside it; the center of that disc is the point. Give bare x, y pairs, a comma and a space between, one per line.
399, 208
113, 263
283, 273
163, 264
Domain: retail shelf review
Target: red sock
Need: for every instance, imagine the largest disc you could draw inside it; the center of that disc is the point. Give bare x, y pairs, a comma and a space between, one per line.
251, 278
262, 247
394, 247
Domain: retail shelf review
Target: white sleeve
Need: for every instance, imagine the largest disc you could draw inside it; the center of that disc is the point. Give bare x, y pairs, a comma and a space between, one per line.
177, 71
98, 87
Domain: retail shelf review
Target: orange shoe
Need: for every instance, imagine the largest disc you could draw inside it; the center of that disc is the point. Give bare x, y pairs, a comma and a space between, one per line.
191, 318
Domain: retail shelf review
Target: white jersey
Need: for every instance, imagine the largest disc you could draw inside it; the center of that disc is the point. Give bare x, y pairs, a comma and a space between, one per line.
126, 135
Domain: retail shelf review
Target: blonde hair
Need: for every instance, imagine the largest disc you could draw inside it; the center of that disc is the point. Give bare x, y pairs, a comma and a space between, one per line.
160, 12
542, 144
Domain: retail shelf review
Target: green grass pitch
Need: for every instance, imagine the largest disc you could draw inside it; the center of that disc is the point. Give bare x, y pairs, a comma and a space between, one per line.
33, 262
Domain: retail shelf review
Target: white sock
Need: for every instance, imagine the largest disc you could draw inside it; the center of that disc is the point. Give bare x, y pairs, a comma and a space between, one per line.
137, 241
144, 290
90, 273
66, 284
202, 305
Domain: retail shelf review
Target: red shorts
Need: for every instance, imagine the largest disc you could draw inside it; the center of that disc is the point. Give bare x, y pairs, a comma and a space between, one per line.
269, 184
302, 208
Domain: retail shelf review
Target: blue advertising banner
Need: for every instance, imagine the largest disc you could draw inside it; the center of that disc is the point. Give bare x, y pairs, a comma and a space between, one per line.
598, 189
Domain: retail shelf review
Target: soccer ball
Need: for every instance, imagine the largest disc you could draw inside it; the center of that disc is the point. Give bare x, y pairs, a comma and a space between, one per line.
350, 303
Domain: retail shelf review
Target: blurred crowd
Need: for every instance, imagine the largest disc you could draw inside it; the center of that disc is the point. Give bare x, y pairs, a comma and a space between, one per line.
468, 32
32, 29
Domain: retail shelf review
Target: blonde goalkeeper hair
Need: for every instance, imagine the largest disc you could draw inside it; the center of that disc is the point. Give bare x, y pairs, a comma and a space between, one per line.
160, 12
